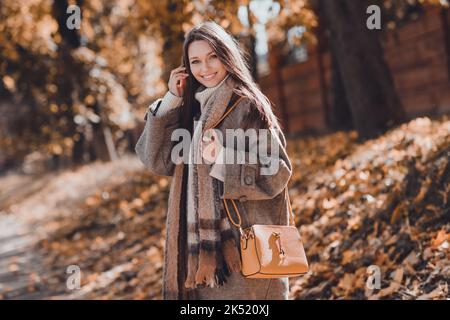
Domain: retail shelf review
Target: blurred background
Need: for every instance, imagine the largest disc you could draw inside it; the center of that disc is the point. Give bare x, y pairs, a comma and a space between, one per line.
366, 113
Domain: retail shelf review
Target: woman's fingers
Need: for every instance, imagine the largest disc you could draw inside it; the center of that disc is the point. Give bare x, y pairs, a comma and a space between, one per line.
176, 81
181, 82
177, 70
180, 88
180, 77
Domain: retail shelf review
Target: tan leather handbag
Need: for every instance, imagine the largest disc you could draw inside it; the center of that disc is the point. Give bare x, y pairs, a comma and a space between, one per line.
270, 251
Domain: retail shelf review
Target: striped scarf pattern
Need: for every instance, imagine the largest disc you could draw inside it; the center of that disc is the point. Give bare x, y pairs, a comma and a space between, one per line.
213, 252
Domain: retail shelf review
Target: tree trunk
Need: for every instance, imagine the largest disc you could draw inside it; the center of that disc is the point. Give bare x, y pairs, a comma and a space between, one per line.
249, 43
79, 149
103, 141
173, 37
340, 113
366, 78
70, 37
252, 45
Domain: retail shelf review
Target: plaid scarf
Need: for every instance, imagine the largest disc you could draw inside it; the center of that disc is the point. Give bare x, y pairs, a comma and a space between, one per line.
213, 252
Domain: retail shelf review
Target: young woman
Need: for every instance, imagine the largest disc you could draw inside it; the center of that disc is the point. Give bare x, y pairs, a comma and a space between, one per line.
202, 257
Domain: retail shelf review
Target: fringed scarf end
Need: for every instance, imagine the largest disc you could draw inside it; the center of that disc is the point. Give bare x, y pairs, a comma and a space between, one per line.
232, 256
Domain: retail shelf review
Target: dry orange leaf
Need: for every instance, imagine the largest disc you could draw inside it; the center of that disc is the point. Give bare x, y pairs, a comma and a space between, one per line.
440, 238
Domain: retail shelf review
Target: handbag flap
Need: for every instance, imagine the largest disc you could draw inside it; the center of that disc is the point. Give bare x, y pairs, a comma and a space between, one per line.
280, 249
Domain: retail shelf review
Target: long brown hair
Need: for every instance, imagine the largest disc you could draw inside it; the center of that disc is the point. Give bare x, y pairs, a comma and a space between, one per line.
234, 59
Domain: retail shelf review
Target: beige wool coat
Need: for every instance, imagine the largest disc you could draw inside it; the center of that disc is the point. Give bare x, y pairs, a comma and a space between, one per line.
261, 200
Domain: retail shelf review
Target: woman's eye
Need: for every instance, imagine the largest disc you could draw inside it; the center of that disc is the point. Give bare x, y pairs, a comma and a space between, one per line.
213, 56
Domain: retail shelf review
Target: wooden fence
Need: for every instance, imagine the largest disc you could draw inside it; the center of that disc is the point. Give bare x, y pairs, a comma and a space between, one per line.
418, 54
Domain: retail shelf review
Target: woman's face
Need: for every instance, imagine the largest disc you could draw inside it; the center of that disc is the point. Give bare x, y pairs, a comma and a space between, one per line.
205, 64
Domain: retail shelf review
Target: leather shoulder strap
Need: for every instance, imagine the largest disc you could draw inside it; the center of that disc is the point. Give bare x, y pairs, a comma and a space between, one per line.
227, 112
236, 210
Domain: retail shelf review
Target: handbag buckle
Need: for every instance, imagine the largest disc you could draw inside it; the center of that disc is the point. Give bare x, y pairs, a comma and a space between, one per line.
245, 235
248, 234
277, 235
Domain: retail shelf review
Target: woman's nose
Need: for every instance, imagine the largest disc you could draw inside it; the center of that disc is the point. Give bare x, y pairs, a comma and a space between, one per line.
205, 68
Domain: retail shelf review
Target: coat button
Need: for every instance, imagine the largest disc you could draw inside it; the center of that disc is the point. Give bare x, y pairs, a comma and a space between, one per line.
248, 180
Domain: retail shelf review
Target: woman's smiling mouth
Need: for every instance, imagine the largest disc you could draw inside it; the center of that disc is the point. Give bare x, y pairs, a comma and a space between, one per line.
209, 76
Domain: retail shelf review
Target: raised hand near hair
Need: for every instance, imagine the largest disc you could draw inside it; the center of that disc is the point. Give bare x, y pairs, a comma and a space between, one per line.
177, 81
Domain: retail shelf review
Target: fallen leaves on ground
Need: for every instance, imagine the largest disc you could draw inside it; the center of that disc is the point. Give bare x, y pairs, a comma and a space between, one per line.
383, 203
116, 239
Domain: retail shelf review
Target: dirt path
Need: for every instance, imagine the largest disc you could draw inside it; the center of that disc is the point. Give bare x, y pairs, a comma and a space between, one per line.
26, 204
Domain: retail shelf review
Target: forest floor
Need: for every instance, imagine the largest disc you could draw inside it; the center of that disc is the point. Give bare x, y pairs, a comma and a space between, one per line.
380, 206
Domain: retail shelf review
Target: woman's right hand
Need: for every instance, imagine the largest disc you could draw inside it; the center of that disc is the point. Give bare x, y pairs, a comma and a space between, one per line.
177, 81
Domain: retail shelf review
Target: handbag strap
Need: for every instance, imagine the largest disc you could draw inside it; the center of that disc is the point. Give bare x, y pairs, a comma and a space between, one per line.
239, 223
227, 112
291, 212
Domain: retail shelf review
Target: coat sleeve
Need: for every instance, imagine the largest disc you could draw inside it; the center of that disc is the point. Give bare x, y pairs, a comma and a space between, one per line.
154, 146
246, 180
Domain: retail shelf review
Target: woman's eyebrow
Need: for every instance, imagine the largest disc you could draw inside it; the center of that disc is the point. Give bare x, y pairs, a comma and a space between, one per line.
197, 58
